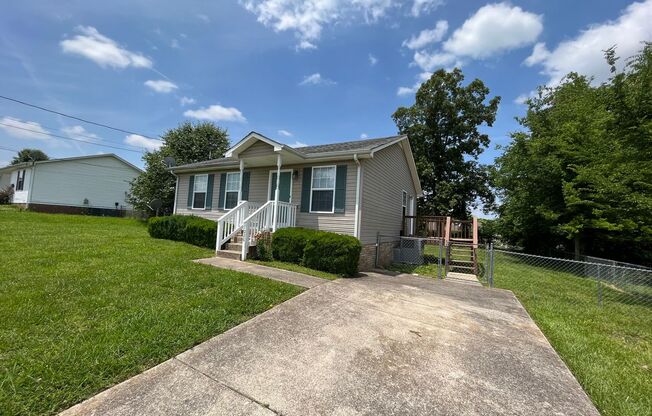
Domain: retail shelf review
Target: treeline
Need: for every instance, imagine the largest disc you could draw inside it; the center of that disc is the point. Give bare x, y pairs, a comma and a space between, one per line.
578, 177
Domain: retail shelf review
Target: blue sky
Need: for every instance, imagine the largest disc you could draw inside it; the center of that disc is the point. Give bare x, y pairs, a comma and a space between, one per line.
306, 72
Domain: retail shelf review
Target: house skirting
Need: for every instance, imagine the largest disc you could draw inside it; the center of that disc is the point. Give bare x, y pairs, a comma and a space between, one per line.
368, 255
70, 209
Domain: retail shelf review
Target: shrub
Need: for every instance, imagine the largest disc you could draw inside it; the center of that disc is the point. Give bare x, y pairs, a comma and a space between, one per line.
288, 243
264, 246
190, 229
6, 195
334, 253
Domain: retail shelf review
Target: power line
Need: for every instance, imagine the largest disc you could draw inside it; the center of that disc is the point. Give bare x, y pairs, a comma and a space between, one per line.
8, 149
106, 126
69, 138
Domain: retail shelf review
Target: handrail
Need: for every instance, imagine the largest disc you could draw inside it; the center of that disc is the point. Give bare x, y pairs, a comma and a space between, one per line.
231, 222
263, 219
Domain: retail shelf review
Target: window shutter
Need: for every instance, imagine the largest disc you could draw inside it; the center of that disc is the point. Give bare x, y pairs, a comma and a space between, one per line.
305, 190
245, 186
340, 188
209, 191
222, 191
272, 188
191, 188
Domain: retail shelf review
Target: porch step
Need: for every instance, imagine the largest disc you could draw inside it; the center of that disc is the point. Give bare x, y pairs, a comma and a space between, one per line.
232, 246
228, 254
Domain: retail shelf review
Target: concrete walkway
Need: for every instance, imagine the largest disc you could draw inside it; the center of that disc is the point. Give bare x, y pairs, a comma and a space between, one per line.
375, 345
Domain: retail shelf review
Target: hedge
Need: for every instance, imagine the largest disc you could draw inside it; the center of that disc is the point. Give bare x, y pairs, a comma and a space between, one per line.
320, 250
190, 229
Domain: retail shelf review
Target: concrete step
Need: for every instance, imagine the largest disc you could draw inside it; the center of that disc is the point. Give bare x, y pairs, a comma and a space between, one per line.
228, 254
234, 247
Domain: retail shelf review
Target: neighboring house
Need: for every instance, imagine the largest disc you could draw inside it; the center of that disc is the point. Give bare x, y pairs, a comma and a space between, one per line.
360, 188
95, 184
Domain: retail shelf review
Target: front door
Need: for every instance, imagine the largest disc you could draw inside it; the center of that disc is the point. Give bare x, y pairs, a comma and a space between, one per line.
285, 186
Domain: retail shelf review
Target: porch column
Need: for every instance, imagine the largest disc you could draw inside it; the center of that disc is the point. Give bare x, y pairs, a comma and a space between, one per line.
277, 191
240, 188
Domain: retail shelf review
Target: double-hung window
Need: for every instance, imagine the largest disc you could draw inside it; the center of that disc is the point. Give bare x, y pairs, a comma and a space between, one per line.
405, 203
322, 192
232, 190
199, 192
20, 180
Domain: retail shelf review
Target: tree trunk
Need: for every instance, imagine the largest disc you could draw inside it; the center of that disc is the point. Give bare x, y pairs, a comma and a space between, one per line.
577, 242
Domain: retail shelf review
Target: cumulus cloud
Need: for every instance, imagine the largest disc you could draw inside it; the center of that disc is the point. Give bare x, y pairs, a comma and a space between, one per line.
364, 136
216, 112
20, 129
297, 144
421, 78
285, 133
424, 6
307, 18
372, 60
161, 85
140, 141
584, 54
102, 50
316, 79
204, 18
78, 131
184, 101
428, 36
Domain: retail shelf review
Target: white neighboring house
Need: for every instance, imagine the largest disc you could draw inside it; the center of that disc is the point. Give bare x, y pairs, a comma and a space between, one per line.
97, 184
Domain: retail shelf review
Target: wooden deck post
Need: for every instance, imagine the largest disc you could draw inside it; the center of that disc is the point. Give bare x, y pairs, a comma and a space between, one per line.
447, 230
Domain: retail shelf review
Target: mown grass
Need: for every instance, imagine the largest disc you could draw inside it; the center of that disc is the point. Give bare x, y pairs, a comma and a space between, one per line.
296, 268
87, 302
608, 348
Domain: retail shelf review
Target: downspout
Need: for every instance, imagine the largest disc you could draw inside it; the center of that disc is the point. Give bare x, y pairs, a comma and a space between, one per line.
356, 226
31, 183
176, 190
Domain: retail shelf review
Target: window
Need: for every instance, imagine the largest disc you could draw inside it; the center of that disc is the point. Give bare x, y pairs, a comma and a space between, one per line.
322, 192
404, 204
20, 180
232, 190
199, 191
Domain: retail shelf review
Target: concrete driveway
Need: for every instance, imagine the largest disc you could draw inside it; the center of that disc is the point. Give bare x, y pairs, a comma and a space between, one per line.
376, 345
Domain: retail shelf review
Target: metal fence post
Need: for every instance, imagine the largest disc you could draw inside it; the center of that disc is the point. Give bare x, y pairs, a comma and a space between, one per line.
599, 288
441, 251
486, 261
377, 249
491, 265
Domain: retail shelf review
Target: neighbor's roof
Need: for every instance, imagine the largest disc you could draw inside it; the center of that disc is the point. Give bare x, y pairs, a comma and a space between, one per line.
10, 168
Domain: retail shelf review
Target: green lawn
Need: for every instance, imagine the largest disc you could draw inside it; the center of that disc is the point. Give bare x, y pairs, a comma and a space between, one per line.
296, 268
608, 348
87, 302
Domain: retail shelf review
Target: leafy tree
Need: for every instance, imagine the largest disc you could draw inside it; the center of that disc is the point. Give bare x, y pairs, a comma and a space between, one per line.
580, 175
188, 143
442, 126
29, 155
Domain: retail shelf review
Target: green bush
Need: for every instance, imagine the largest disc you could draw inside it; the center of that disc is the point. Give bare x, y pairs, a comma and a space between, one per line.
288, 243
333, 253
264, 246
190, 229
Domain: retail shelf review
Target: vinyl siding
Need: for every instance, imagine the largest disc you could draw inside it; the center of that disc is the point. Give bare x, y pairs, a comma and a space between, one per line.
258, 149
103, 181
384, 179
342, 223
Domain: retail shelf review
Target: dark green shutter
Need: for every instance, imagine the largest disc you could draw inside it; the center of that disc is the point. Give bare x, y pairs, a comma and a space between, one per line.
272, 188
340, 188
220, 202
305, 190
209, 191
191, 188
245, 186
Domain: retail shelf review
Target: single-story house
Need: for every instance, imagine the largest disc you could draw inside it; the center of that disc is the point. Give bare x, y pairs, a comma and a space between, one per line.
360, 188
96, 184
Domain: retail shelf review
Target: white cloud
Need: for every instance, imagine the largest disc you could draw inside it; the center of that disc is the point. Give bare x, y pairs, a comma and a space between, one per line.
424, 6
140, 141
23, 129
184, 101
364, 136
161, 85
174, 44
216, 112
428, 36
316, 79
285, 133
584, 54
372, 60
78, 131
431, 61
307, 18
102, 50
297, 144
539, 54
421, 78
204, 18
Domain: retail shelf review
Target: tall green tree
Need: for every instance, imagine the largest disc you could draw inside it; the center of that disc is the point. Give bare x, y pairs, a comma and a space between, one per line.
29, 155
187, 143
579, 176
442, 126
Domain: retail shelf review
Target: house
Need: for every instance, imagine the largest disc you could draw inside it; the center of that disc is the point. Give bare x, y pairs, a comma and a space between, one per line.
96, 184
360, 188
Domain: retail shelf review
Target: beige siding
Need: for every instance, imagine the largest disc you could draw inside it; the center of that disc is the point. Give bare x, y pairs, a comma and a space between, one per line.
384, 178
258, 149
342, 223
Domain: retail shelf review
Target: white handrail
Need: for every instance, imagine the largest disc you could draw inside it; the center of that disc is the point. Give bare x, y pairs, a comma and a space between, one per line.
263, 220
231, 222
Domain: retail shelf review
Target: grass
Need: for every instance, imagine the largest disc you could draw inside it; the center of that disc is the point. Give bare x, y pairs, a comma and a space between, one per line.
608, 348
87, 302
296, 268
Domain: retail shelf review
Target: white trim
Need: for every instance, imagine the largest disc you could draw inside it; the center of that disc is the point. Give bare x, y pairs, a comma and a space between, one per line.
356, 221
176, 194
312, 178
194, 184
269, 182
226, 181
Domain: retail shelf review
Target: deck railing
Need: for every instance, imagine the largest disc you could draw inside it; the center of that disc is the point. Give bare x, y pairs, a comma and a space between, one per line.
447, 228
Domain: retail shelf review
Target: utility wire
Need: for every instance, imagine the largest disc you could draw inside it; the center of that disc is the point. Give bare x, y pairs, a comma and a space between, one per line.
106, 126
69, 138
9, 149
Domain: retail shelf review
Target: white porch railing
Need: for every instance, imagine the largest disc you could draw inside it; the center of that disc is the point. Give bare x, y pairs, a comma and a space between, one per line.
230, 223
